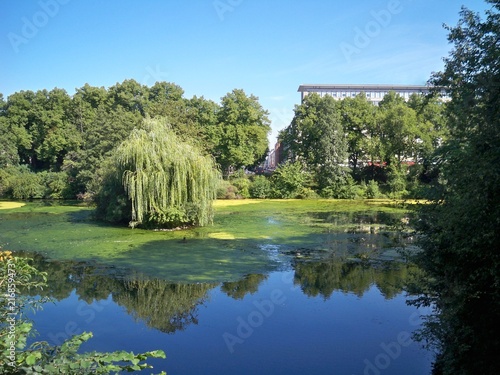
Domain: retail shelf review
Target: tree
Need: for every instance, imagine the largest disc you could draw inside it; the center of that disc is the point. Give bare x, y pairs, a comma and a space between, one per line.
154, 179
432, 126
40, 123
8, 153
358, 120
399, 132
130, 95
289, 180
317, 139
462, 229
105, 131
203, 115
243, 127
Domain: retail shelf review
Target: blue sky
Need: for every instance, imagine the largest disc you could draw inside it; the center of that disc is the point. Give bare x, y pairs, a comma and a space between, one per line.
209, 47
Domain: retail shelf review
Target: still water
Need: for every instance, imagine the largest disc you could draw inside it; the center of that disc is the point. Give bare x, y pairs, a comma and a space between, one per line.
315, 317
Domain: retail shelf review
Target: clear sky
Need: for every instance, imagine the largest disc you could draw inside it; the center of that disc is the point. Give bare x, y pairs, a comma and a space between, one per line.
210, 47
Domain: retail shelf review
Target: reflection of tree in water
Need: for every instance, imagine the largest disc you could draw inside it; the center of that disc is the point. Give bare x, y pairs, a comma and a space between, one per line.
162, 305
90, 281
248, 284
323, 278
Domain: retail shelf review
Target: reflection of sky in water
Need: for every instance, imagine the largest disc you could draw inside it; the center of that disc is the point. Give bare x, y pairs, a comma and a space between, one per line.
273, 252
279, 326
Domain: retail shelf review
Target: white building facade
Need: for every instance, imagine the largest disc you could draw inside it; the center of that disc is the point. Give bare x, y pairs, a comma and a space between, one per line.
374, 93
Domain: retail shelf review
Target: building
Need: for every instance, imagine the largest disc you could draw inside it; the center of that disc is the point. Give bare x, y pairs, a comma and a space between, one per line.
374, 93
274, 158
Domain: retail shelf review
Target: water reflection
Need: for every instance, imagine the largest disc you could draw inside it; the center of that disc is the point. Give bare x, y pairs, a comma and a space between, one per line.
248, 284
170, 307
323, 278
165, 306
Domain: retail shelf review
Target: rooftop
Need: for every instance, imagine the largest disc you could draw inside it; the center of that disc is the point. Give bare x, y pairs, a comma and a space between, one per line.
315, 87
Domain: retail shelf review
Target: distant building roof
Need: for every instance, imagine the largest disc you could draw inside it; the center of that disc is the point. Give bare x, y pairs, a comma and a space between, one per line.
374, 93
369, 87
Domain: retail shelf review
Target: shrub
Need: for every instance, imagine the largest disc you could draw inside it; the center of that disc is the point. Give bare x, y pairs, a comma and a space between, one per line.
307, 193
56, 185
260, 187
372, 190
288, 180
242, 185
347, 190
21, 183
226, 190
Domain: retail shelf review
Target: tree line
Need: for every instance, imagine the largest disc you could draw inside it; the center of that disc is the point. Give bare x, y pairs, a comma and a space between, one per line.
54, 144
351, 148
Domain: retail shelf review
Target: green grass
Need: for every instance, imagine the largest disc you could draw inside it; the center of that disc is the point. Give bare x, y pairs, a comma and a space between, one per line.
234, 246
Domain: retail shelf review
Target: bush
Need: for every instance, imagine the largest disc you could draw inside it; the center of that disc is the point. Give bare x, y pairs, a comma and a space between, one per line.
242, 185
396, 181
21, 183
226, 190
56, 185
288, 180
307, 193
372, 190
260, 187
348, 190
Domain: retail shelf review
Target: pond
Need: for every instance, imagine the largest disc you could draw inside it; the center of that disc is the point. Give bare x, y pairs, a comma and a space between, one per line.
291, 287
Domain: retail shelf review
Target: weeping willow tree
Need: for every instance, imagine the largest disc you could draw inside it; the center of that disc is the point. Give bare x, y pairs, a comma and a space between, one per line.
154, 179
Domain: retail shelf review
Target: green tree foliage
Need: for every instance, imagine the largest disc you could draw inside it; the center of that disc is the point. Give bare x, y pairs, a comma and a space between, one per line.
352, 141
154, 179
260, 187
289, 180
106, 131
242, 131
18, 278
358, 120
203, 114
42, 128
399, 132
317, 139
462, 229
51, 131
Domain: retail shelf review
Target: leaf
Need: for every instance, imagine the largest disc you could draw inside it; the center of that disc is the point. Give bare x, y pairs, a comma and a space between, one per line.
32, 358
